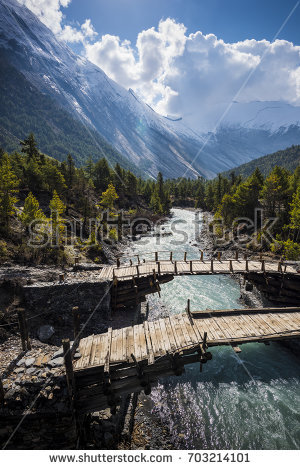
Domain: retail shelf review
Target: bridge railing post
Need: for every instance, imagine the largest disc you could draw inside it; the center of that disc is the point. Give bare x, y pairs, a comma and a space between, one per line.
69, 367
175, 267
171, 255
184, 256
201, 255
156, 256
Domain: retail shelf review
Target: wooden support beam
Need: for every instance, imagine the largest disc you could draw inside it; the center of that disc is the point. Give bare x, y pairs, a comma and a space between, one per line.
230, 266
25, 341
138, 258
263, 266
1, 393
191, 266
76, 260
158, 267
175, 267
137, 271
212, 265
69, 367
147, 310
204, 344
236, 349
247, 265
130, 262
280, 267
154, 275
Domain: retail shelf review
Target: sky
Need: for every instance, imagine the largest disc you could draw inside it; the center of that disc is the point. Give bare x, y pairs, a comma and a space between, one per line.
186, 57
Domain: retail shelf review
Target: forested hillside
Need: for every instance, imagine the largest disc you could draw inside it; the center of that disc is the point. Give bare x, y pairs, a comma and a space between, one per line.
288, 159
35, 188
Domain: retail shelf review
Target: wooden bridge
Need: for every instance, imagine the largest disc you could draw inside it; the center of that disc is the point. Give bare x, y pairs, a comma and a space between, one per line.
134, 280
133, 358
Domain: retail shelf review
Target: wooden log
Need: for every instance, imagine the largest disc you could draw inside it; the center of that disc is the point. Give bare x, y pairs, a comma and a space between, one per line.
107, 365
236, 349
1, 393
23, 330
76, 323
69, 367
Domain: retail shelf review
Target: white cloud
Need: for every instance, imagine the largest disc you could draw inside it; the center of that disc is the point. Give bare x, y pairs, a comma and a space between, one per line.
197, 75
49, 12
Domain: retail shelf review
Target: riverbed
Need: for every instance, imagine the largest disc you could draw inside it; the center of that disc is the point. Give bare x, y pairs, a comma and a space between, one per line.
245, 401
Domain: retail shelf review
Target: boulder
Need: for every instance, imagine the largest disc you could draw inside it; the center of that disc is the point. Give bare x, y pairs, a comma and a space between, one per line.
45, 332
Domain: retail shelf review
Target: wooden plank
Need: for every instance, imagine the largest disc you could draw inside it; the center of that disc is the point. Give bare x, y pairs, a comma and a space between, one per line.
107, 357
137, 347
87, 350
124, 341
149, 343
165, 337
143, 343
159, 339
104, 343
129, 343
154, 342
171, 335
189, 340
193, 334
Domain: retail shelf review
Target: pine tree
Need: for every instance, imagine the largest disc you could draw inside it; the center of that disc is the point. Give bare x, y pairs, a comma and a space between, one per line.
57, 208
31, 211
8, 188
29, 147
109, 197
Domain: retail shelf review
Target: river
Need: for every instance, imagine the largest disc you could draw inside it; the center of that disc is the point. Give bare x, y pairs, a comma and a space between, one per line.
245, 401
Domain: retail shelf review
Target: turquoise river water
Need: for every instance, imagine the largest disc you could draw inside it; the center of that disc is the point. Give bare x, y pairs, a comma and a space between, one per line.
245, 401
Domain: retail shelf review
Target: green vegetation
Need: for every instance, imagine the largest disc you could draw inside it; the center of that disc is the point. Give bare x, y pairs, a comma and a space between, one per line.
288, 159
42, 194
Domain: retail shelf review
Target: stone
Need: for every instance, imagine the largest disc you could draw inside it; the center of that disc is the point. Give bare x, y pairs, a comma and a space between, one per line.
77, 355
30, 371
29, 361
21, 362
59, 361
58, 353
45, 332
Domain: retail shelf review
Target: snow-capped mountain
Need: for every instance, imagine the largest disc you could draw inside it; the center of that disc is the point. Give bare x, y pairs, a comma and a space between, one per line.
150, 141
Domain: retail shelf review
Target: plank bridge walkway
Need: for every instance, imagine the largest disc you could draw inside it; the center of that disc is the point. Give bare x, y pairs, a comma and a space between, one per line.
194, 267
133, 358
132, 282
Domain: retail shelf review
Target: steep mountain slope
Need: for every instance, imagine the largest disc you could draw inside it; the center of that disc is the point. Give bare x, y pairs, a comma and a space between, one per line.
150, 141
24, 109
288, 158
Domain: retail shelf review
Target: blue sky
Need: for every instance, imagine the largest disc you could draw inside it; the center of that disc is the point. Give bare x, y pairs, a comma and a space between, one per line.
231, 20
